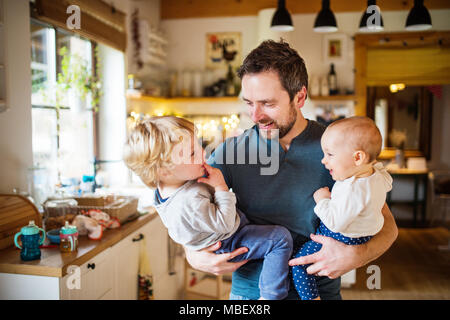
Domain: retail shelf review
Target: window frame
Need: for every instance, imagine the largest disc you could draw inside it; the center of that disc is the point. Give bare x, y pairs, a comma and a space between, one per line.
57, 68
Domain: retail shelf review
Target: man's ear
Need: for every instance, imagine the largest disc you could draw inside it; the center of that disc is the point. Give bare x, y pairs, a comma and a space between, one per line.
300, 98
359, 157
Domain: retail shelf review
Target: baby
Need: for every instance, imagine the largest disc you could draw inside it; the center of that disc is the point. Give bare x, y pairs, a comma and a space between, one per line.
351, 213
195, 204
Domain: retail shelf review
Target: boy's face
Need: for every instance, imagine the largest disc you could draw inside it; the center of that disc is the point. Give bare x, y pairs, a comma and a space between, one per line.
337, 156
188, 158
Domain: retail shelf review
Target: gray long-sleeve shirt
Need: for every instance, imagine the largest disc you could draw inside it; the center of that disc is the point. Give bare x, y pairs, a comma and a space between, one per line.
197, 217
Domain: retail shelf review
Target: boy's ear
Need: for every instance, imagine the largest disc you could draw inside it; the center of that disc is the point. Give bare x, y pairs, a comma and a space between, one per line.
359, 157
163, 172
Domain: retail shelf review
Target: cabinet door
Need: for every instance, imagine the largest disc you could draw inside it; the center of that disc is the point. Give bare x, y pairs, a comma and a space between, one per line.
165, 286
96, 279
126, 255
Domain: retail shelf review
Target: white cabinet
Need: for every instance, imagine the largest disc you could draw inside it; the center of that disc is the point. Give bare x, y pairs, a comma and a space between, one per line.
95, 279
126, 267
112, 274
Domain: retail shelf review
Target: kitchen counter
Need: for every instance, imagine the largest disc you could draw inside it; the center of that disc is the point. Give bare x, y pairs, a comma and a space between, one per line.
54, 263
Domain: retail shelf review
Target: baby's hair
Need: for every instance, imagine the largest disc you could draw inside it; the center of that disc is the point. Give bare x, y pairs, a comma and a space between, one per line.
150, 143
360, 133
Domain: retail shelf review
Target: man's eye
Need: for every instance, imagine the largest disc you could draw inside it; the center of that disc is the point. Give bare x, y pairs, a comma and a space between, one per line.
329, 154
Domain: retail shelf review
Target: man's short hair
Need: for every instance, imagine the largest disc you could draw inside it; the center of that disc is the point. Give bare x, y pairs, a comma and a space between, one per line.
281, 58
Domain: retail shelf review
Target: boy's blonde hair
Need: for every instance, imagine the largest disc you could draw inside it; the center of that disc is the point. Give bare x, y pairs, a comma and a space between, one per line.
360, 133
150, 143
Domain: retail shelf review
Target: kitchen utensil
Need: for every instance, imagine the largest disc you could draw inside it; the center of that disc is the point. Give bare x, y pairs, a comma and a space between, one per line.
53, 236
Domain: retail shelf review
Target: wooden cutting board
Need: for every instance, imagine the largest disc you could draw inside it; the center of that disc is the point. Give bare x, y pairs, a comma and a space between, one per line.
15, 212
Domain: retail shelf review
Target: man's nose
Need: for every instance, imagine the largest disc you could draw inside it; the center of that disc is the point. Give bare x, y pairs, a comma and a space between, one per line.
323, 160
257, 114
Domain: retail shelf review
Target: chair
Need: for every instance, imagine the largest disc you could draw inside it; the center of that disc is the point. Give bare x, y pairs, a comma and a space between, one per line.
210, 287
440, 198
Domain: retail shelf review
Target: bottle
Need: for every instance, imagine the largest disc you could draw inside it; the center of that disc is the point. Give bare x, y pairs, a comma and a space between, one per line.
324, 89
332, 81
230, 89
68, 238
31, 240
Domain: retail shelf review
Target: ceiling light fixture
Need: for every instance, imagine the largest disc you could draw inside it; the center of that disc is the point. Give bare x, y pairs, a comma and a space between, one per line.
419, 18
325, 20
281, 20
371, 20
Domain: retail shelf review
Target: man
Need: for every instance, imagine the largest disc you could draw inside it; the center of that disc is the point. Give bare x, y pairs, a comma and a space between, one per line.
274, 86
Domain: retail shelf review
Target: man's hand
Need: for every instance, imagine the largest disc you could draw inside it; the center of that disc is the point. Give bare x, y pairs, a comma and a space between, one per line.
207, 261
321, 193
333, 259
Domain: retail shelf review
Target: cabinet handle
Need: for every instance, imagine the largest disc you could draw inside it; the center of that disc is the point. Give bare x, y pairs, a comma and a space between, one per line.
91, 266
141, 236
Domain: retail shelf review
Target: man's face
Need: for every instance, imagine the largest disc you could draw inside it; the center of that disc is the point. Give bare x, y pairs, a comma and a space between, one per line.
268, 102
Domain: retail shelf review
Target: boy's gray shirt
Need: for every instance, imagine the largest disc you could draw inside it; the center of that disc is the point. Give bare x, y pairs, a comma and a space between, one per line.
197, 217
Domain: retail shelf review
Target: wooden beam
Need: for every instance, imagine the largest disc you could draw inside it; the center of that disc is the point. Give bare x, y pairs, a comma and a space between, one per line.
178, 9
91, 27
102, 11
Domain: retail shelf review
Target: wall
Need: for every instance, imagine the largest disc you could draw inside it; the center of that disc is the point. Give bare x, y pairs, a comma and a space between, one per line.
440, 148
187, 50
15, 124
187, 38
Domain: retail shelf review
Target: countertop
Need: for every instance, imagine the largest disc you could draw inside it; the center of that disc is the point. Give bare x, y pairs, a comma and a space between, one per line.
53, 263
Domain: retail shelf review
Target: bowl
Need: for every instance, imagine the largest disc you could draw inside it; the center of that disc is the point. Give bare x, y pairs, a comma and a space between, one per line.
53, 235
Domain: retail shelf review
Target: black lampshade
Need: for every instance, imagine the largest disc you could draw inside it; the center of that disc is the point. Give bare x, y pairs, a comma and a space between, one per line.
369, 16
418, 18
281, 20
325, 20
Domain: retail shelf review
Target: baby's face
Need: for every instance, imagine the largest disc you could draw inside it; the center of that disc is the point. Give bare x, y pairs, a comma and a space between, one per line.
188, 158
338, 156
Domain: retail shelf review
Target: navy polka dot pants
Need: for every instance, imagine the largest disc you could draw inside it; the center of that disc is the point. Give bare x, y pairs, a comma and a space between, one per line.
306, 284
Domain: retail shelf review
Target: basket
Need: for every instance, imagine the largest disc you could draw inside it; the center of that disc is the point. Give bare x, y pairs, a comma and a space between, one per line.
120, 207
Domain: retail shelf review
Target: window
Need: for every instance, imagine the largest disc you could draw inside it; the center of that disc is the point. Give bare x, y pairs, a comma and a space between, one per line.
67, 153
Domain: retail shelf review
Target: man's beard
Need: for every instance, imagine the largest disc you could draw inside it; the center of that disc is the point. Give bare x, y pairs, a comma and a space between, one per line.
282, 129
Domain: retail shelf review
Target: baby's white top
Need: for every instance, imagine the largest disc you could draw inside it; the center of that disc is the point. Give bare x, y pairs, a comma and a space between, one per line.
355, 205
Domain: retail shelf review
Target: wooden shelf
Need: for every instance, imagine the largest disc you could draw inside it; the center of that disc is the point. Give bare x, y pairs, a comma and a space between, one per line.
182, 99
333, 98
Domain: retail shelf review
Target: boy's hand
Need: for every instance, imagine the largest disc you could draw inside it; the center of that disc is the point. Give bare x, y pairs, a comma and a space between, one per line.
214, 178
322, 193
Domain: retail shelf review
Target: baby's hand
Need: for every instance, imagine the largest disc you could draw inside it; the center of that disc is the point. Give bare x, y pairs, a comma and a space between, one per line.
214, 178
322, 193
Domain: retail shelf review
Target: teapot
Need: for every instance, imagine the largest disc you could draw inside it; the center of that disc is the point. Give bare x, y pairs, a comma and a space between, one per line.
68, 238
29, 236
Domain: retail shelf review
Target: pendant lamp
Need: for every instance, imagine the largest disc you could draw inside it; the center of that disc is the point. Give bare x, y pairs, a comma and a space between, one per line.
281, 20
325, 20
371, 20
418, 18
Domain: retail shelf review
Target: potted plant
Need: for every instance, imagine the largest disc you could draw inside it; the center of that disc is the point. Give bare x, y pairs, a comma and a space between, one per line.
77, 82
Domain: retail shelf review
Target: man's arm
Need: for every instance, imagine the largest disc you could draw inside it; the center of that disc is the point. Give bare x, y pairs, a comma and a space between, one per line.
336, 258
